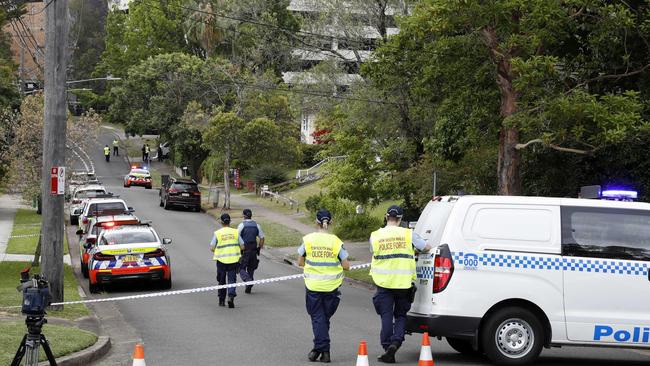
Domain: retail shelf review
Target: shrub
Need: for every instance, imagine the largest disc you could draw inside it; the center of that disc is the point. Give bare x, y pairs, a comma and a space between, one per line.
268, 175
356, 227
310, 155
339, 208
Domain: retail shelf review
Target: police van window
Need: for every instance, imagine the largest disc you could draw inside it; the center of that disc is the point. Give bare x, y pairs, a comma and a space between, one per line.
606, 233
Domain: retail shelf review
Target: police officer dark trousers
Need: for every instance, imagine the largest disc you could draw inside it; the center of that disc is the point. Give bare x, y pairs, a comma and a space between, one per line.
107, 153
249, 232
393, 270
324, 258
225, 245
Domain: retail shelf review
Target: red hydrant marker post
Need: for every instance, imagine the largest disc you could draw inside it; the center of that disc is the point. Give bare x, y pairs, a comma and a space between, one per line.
426, 358
362, 355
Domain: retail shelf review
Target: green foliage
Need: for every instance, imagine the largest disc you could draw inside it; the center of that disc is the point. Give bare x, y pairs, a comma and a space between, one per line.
9, 96
87, 35
357, 227
310, 155
268, 174
338, 207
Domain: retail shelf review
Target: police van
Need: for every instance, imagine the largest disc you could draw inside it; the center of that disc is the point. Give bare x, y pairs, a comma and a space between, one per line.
510, 275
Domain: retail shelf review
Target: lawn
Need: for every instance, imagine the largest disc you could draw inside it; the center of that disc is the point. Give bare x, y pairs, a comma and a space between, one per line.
9, 279
278, 235
360, 275
63, 340
27, 222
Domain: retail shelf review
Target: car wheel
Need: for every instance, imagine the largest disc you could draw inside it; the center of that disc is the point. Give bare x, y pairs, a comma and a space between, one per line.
166, 205
147, 187
93, 287
74, 220
166, 284
462, 346
512, 336
84, 270
197, 209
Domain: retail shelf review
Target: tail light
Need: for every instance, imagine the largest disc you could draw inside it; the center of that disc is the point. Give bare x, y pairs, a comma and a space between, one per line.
156, 253
108, 224
172, 190
85, 220
75, 201
91, 240
443, 268
102, 257
196, 193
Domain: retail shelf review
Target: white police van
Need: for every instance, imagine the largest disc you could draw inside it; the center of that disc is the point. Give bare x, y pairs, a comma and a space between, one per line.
511, 275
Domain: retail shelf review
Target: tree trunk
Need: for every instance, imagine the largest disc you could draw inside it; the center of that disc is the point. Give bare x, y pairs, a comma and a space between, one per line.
509, 159
226, 180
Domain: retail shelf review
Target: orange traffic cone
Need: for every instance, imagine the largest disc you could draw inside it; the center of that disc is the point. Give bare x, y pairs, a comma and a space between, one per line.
138, 355
426, 359
362, 357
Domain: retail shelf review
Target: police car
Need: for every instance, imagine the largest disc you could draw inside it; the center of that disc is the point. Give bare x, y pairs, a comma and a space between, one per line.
127, 253
138, 176
94, 228
101, 206
511, 275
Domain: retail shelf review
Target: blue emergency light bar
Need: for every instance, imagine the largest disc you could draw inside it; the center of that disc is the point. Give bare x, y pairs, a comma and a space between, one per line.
619, 194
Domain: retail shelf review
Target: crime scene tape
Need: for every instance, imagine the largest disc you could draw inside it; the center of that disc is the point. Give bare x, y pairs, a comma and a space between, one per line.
24, 236
189, 290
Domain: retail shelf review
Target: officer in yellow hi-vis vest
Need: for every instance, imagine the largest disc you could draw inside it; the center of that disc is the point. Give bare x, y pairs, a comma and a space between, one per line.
226, 248
107, 153
324, 258
393, 270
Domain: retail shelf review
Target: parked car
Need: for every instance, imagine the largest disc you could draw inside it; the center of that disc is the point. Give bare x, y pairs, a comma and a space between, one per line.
94, 227
133, 252
80, 196
180, 192
103, 206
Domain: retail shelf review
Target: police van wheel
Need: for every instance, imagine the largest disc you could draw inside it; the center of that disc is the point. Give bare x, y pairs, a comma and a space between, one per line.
166, 284
93, 288
512, 336
462, 346
84, 270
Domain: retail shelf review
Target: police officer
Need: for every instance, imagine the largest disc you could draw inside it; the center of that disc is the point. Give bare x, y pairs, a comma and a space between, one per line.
393, 270
324, 258
249, 231
147, 150
107, 153
226, 248
116, 150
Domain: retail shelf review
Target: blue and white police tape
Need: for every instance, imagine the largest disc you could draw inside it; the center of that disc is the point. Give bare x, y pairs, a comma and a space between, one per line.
189, 290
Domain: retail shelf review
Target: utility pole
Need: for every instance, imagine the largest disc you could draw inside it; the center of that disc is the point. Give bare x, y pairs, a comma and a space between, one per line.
54, 131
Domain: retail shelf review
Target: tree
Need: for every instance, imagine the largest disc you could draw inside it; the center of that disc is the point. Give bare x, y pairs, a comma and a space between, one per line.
188, 138
9, 96
87, 34
565, 71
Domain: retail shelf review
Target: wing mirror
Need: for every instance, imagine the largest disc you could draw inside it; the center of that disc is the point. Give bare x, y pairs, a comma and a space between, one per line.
88, 245
79, 232
166, 241
76, 212
131, 209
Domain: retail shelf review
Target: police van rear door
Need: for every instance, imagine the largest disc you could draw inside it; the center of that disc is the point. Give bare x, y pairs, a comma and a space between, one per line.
606, 255
430, 227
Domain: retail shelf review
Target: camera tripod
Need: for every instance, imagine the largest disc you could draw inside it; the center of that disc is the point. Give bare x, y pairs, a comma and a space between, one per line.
31, 341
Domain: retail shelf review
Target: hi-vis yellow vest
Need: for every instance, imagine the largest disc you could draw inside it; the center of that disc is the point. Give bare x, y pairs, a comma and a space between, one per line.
227, 250
107, 151
114, 142
393, 262
323, 270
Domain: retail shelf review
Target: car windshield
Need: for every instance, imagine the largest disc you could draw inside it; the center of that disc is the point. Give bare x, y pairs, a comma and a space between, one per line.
106, 208
185, 187
89, 193
128, 237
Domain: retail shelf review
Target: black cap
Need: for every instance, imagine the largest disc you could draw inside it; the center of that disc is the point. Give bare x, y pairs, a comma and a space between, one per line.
323, 215
394, 211
247, 213
225, 218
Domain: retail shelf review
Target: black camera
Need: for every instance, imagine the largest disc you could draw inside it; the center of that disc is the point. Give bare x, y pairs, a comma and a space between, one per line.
36, 293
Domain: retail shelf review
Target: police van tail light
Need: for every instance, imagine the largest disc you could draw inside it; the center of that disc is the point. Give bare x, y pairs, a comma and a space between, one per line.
443, 268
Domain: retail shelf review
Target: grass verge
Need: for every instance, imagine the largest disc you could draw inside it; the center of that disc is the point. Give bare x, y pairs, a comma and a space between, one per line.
27, 222
9, 279
278, 235
63, 340
360, 275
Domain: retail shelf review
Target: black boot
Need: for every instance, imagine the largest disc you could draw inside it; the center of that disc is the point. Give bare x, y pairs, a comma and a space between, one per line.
325, 357
222, 302
248, 289
231, 302
389, 355
313, 355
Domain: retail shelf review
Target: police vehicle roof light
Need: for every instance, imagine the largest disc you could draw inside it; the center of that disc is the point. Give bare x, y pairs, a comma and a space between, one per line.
619, 194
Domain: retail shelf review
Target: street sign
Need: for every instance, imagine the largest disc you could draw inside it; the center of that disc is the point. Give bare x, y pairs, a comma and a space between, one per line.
57, 180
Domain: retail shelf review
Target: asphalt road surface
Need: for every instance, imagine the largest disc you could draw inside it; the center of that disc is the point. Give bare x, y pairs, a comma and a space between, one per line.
268, 327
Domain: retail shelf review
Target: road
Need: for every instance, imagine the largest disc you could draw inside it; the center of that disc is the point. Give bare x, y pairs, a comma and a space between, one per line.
268, 327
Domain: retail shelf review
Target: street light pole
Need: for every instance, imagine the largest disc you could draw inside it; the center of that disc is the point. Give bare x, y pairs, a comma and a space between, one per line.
54, 136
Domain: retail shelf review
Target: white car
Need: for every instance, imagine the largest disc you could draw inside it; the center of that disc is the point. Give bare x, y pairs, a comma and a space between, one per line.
80, 196
102, 207
511, 275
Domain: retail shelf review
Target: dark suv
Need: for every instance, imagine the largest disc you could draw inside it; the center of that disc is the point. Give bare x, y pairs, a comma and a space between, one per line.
180, 192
